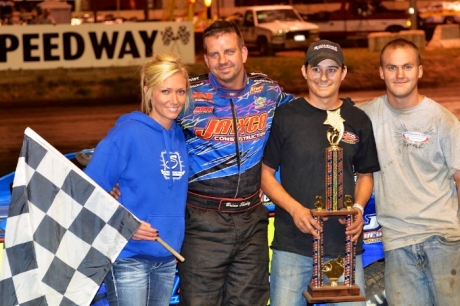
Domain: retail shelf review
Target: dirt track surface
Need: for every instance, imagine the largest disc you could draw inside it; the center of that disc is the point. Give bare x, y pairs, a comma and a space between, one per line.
74, 127
68, 128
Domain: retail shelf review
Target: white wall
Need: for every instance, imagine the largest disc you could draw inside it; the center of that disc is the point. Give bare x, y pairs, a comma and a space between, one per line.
92, 45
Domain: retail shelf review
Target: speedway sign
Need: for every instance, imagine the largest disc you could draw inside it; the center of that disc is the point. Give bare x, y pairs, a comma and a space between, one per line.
93, 45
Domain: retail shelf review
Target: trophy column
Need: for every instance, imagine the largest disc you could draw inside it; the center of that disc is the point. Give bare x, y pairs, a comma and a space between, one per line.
318, 290
334, 178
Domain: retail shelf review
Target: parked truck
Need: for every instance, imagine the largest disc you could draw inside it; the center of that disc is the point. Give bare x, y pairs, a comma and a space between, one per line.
356, 19
276, 28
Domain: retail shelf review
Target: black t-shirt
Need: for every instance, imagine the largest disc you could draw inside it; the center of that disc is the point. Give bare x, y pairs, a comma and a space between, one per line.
297, 146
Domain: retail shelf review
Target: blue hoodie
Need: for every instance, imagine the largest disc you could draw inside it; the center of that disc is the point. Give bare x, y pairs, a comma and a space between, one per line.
151, 165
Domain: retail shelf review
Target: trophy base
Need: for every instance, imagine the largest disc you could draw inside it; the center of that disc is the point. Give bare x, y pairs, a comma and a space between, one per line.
329, 294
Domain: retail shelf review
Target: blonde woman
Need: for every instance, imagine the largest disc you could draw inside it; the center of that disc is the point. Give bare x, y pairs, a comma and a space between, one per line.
145, 153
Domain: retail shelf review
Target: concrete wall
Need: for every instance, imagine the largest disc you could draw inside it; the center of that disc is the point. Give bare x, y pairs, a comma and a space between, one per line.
445, 36
376, 41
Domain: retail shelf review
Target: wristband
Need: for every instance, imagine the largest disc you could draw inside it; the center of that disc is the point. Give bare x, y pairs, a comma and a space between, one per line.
360, 207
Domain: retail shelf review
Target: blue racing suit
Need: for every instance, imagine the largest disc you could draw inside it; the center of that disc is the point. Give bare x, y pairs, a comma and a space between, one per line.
225, 243
225, 161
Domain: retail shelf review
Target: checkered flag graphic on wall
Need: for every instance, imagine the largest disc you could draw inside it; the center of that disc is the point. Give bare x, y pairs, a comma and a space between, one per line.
63, 231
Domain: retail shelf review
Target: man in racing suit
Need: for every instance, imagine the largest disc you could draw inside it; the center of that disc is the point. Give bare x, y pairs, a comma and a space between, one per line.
225, 243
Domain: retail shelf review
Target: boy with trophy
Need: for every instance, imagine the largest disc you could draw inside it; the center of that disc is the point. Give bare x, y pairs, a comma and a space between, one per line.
319, 142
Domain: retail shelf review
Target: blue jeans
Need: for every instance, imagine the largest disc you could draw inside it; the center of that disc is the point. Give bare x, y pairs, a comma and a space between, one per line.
290, 275
427, 273
133, 281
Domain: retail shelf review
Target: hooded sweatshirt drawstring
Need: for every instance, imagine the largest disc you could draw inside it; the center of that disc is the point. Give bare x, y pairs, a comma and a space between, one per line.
167, 143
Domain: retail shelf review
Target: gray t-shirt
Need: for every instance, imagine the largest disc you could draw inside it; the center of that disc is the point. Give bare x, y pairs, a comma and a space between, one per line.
419, 151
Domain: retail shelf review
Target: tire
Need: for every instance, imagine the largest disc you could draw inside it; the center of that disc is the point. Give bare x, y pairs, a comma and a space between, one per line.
375, 284
449, 20
394, 29
264, 47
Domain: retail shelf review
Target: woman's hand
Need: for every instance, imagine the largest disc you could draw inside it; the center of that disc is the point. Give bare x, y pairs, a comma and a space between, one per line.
115, 192
146, 232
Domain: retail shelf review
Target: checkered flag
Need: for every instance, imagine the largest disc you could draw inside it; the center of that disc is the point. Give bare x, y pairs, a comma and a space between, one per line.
63, 231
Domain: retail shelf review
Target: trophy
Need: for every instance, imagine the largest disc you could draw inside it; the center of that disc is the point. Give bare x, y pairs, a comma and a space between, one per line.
319, 291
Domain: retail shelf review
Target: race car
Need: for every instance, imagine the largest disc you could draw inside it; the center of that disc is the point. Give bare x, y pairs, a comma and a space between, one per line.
373, 256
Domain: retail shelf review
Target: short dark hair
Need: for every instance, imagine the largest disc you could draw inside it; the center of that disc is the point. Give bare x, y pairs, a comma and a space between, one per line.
220, 27
400, 43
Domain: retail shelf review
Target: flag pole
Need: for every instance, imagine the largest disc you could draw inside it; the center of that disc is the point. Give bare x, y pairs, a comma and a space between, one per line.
169, 248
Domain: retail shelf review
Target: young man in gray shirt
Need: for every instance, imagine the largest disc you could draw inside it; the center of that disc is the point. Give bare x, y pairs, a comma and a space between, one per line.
418, 144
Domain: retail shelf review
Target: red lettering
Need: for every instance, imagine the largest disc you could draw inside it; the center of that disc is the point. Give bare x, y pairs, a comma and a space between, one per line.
242, 125
253, 124
202, 95
246, 125
215, 126
263, 122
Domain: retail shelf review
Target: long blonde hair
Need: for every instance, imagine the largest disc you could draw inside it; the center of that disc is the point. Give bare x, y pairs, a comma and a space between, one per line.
155, 71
